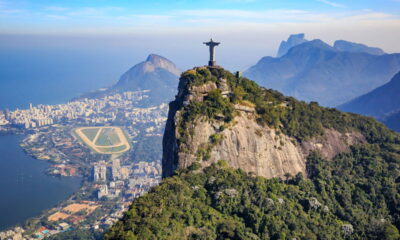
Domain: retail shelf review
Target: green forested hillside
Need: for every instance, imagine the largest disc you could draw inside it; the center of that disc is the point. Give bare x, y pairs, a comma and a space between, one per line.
294, 118
354, 196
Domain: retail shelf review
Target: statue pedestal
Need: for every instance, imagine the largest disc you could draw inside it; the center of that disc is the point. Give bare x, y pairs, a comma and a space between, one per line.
212, 63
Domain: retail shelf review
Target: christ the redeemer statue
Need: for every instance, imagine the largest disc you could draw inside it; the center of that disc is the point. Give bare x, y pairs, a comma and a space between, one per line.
212, 44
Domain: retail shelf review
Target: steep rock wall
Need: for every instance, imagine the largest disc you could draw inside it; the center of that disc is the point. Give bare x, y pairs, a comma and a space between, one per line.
245, 144
242, 142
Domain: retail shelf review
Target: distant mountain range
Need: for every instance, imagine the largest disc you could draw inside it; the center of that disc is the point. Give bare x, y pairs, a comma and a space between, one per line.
157, 74
316, 71
382, 103
341, 45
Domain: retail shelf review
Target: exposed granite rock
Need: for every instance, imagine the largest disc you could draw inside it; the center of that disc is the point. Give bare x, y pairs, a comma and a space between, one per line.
332, 143
243, 143
246, 145
253, 148
197, 93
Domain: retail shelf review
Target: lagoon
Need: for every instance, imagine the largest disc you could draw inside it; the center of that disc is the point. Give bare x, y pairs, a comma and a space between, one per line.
25, 189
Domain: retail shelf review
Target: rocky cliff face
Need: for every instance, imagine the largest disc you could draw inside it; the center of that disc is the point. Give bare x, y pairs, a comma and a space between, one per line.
243, 142
293, 40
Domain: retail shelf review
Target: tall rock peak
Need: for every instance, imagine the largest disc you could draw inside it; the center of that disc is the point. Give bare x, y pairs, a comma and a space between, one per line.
293, 40
157, 74
156, 61
219, 116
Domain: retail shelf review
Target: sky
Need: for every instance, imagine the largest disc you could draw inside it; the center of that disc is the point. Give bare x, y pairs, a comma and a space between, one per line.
248, 29
73, 46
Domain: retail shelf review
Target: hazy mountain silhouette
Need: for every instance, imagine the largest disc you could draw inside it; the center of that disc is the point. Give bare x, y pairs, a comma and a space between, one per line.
382, 103
316, 71
157, 74
293, 40
379, 102
346, 46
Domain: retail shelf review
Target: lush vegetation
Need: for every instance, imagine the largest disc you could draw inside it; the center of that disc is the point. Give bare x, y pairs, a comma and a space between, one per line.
355, 196
294, 118
79, 234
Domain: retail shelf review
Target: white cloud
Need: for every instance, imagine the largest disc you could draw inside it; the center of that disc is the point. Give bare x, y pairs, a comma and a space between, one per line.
56, 8
240, 1
221, 13
7, 9
333, 4
56, 17
227, 16
145, 20
87, 11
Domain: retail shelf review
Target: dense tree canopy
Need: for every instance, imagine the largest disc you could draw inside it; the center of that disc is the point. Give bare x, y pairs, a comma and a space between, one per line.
354, 196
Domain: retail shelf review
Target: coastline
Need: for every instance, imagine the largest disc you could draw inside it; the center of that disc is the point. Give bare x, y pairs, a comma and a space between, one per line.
126, 176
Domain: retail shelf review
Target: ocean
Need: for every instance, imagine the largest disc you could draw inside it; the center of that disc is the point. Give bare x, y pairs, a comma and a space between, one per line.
41, 76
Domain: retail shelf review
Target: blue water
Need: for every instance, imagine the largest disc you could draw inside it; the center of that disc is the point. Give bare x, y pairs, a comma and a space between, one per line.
51, 77
25, 191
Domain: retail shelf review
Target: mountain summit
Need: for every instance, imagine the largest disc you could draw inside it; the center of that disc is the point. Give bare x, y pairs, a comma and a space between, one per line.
316, 71
157, 74
293, 40
154, 61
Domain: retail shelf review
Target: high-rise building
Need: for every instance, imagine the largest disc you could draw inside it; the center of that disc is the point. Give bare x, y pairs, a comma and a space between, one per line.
103, 191
100, 172
115, 169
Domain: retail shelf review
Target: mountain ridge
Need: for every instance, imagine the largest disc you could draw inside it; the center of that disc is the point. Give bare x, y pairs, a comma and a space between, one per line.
379, 102
346, 46
316, 71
